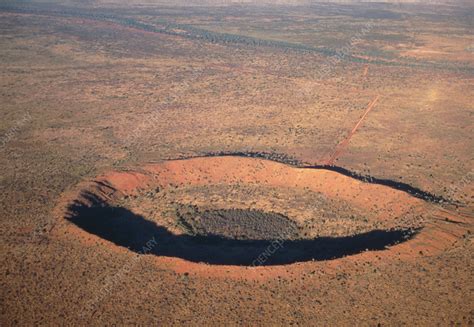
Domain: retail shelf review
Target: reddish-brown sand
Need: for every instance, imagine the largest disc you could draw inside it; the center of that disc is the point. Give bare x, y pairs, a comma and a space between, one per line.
442, 231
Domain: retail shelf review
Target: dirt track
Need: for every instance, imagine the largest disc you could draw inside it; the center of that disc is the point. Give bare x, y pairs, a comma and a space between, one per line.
93, 109
344, 143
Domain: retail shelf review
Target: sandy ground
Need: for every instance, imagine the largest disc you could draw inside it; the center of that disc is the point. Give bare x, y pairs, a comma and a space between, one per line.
87, 99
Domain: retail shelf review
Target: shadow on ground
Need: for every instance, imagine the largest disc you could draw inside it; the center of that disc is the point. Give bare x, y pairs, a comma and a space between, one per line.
124, 228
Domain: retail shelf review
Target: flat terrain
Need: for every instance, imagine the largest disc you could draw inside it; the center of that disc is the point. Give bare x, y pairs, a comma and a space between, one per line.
152, 114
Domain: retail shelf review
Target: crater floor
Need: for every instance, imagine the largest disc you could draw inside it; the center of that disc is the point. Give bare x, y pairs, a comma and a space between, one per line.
239, 211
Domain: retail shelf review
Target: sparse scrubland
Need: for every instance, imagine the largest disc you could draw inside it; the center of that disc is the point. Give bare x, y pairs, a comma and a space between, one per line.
167, 164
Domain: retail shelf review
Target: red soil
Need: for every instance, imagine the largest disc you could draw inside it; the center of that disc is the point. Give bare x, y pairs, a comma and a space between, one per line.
443, 230
341, 146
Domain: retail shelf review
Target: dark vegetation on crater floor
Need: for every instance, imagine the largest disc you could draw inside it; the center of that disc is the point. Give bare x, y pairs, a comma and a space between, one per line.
239, 224
127, 229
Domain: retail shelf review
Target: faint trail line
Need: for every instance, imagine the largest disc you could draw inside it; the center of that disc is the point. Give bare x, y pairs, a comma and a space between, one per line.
342, 145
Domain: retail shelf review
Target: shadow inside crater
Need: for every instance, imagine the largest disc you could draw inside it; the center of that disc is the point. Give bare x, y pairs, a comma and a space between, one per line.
124, 228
